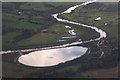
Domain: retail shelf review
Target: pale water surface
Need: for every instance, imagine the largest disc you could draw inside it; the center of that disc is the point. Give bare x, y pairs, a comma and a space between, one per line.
51, 57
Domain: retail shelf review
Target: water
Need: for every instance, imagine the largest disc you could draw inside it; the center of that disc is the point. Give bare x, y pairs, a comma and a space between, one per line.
51, 57
69, 10
102, 34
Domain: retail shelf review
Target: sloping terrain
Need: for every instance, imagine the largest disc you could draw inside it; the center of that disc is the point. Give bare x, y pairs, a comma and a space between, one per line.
30, 25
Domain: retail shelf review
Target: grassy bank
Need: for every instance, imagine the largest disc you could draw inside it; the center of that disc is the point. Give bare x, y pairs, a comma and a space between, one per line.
26, 25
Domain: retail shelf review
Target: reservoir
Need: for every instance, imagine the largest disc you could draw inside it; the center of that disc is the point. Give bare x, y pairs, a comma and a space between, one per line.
51, 57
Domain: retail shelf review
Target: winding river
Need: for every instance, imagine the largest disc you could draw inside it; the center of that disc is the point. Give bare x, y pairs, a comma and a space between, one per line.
50, 56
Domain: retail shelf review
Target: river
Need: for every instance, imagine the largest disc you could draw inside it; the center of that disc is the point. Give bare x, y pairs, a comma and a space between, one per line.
50, 55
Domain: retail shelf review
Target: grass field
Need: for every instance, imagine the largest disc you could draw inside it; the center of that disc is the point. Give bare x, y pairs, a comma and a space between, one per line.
88, 16
52, 35
30, 25
99, 73
34, 21
40, 38
9, 36
33, 17
13, 20
35, 6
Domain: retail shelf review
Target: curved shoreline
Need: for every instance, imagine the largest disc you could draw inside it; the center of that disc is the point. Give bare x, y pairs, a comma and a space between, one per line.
51, 57
69, 10
100, 31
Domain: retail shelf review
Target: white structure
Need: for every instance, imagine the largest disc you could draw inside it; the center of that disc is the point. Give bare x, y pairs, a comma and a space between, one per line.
72, 32
97, 19
68, 27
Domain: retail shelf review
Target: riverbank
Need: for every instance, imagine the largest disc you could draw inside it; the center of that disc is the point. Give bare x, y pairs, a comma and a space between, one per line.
71, 69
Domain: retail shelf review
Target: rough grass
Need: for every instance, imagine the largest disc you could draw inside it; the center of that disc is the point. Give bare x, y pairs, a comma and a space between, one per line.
52, 35
21, 21
87, 16
40, 6
101, 73
11, 69
40, 38
12, 20
56, 4
10, 36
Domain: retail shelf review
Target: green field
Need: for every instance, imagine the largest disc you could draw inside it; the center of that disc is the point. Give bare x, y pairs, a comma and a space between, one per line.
30, 25
28, 19
88, 15
35, 6
19, 22
52, 35
9, 36
41, 38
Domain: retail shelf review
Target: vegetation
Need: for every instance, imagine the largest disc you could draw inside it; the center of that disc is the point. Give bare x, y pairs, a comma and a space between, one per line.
87, 15
29, 25
32, 22
9, 36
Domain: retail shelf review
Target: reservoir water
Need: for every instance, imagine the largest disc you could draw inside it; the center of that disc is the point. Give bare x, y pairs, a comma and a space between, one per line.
51, 57
48, 56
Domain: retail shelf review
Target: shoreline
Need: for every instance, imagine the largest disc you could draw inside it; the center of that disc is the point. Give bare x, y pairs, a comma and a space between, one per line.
69, 10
